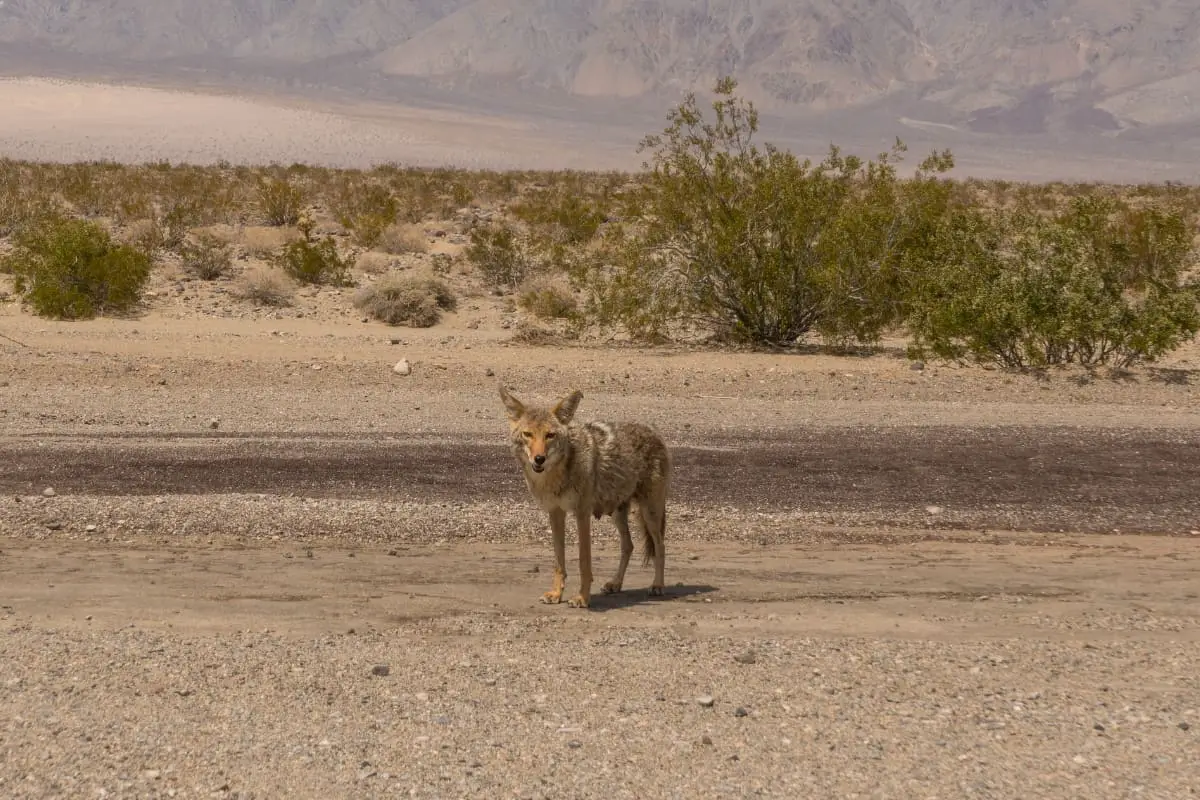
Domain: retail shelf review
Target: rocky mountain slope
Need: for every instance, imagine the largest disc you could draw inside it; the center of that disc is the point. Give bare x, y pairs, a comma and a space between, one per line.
1001, 66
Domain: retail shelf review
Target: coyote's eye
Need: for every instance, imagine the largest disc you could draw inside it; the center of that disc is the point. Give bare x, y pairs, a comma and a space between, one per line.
550, 435
527, 434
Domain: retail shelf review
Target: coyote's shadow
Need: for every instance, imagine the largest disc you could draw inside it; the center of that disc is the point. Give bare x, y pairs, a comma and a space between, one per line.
641, 596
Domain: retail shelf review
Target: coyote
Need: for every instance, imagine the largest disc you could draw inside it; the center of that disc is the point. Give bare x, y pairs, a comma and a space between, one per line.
589, 470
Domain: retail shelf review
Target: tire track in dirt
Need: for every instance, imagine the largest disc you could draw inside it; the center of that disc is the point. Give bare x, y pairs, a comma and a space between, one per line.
1040, 478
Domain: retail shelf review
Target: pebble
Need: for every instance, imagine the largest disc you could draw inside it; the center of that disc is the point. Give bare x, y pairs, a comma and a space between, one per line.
402, 367
90, 529
1185, 726
381, 670
48, 492
741, 712
933, 509
706, 739
491, 373
748, 657
214, 423
706, 700
917, 366
574, 744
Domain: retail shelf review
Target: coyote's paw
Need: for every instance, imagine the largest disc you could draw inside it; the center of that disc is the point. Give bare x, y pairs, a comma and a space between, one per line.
552, 598
579, 601
656, 591
612, 587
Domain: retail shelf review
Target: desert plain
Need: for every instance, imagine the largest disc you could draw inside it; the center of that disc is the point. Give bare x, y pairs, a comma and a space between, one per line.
242, 556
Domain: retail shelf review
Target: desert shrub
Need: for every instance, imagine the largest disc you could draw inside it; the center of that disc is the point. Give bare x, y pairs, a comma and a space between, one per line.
548, 300
263, 242
175, 218
266, 287
572, 219
208, 257
1098, 283
402, 239
72, 269
500, 255
366, 211
751, 244
373, 263
412, 301
314, 261
280, 201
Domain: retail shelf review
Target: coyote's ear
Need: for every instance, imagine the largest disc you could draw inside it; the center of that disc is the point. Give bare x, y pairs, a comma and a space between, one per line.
564, 410
515, 407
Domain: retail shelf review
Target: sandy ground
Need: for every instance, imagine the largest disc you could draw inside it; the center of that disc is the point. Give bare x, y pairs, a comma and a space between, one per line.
270, 565
72, 120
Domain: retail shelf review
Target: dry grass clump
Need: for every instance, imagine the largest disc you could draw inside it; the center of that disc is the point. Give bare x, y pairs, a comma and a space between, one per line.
265, 286
402, 240
548, 299
411, 301
371, 263
263, 242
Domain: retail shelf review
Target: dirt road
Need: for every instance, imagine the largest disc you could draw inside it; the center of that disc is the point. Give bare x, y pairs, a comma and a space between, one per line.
881, 584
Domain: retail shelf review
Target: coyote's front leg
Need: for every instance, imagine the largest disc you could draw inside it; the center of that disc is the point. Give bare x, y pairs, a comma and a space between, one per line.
558, 533
584, 523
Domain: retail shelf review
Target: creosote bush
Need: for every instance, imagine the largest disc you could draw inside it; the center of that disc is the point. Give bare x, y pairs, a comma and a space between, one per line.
208, 257
314, 261
411, 301
72, 269
753, 245
281, 201
1098, 283
500, 255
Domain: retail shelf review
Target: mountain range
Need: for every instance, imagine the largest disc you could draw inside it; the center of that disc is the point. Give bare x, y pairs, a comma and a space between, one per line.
1101, 69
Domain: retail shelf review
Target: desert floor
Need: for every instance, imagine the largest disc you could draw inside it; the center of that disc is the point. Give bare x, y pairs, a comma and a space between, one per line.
883, 581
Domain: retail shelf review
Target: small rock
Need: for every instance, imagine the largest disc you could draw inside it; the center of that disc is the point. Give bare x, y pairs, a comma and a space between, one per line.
315, 367
706, 701
706, 739
491, 373
933, 510
748, 657
402, 367
54, 526
741, 712
535, 569
917, 366
1185, 726
395, 340
1098, 727
90, 528
381, 670
48, 492
574, 744
214, 423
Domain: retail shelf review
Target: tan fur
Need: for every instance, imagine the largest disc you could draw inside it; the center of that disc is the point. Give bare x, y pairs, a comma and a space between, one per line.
589, 470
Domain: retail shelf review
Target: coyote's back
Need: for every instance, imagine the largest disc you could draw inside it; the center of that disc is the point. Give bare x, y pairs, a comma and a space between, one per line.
590, 470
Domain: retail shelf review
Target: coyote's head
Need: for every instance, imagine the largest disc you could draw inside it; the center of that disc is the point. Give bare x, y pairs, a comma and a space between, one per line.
539, 435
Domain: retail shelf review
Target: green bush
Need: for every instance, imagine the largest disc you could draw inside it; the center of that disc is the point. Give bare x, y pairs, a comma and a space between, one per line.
1099, 283
208, 257
280, 201
314, 261
72, 269
415, 302
754, 245
500, 255
367, 211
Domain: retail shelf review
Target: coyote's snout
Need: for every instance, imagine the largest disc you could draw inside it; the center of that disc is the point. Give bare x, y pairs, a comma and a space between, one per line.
590, 470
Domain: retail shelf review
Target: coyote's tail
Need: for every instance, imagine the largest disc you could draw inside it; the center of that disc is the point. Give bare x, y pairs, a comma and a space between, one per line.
648, 548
